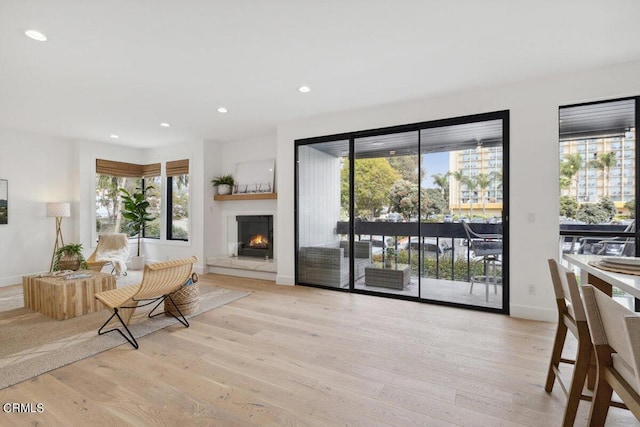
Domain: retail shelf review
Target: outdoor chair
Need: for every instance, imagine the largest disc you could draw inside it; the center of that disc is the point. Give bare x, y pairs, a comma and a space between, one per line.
571, 316
615, 332
486, 248
159, 281
112, 249
614, 246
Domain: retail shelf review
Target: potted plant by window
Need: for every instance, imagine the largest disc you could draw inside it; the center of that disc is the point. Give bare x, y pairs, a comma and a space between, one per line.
69, 257
389, 255
223, 183
135, 210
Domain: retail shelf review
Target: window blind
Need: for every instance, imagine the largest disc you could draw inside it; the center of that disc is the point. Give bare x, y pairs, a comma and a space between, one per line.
126, 170
178, 167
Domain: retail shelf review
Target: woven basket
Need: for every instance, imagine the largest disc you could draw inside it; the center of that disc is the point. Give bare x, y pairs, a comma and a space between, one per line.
186, 298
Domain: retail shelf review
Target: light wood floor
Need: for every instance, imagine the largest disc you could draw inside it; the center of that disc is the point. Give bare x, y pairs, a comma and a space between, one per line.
303, 356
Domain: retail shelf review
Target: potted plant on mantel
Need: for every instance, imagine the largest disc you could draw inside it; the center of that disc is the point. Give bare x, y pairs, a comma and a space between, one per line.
135, 210
223, 183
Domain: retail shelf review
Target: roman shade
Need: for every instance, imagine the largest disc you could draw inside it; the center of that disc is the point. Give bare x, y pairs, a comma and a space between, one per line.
178, 167
126, 170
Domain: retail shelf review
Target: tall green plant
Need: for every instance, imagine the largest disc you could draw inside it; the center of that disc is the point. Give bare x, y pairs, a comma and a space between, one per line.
134, 209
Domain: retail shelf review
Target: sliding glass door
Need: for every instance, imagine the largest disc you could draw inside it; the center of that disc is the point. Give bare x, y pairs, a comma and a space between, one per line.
414, 212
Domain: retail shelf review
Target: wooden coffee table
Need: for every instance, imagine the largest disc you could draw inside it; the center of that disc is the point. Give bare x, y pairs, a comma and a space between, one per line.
64, 299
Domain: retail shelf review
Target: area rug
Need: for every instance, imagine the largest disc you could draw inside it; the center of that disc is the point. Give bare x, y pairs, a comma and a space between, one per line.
32, 343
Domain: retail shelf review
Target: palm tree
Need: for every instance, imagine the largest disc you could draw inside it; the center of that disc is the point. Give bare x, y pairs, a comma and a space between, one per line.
459, 177
442, 181
483, 181
604, 162
569, 168
470, 183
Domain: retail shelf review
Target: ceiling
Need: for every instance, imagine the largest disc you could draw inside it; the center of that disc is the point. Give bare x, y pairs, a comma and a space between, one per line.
123, 67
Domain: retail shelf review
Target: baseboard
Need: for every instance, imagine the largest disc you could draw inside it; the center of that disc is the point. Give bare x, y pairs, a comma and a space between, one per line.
533, 313
285, 280
11, 280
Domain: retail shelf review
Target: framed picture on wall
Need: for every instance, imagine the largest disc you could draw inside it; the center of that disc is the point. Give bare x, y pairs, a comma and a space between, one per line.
255, 177
4, 201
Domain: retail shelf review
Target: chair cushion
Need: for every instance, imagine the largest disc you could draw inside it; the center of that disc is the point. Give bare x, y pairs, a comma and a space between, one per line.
625, 371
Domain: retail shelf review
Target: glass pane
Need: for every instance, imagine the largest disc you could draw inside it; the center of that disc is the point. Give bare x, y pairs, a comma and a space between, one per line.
153, 192
388, 202
461, 228
597, 153
108, 204
180, 208
323, 214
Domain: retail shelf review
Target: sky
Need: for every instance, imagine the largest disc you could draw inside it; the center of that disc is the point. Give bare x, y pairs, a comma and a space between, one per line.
432, 164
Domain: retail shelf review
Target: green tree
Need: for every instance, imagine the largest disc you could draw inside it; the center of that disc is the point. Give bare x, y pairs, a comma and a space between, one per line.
631, 205
442, 182
406, 166
483, 181
470, 183
568, 206
403, 198
609, 207
435, 203
604, 162
569, 168
459, 177
592, 213
373, 180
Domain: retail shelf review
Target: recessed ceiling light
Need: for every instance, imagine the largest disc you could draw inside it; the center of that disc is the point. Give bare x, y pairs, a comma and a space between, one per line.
222, 110
165, 125
36, 35
377, 143
304, 89
114, 136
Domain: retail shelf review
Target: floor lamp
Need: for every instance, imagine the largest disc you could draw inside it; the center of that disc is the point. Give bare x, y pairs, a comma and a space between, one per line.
58, 211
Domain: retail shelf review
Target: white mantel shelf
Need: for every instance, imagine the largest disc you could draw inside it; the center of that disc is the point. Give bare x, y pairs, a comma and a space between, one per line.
250, 196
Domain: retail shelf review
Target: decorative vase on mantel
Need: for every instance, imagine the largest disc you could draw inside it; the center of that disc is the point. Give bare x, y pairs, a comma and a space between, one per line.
224, 189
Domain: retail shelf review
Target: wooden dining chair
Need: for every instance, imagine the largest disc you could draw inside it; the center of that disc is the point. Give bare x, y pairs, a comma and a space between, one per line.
615, 333
571, 317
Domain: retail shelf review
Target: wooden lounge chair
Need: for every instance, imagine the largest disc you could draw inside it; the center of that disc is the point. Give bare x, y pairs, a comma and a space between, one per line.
159, 281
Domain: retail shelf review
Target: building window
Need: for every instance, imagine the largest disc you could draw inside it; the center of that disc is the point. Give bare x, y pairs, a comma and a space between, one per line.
178, 200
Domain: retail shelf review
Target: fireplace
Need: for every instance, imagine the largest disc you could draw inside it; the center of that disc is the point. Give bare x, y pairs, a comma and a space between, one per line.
255, 236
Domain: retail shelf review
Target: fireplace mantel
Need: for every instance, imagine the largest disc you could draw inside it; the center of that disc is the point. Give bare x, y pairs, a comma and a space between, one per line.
250, 196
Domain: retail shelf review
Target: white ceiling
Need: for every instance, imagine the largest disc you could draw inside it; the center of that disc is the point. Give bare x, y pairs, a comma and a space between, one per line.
123, 67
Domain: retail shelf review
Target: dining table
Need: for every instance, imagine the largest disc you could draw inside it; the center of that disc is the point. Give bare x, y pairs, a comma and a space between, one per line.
603, 279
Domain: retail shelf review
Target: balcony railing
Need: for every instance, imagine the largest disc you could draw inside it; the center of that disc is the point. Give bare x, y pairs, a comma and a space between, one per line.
437, 250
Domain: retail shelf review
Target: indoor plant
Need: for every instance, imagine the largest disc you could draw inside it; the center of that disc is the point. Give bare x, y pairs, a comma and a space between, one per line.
135, 210
69, 257
223, 183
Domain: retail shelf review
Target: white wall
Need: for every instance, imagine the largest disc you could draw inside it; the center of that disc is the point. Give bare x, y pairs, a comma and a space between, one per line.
221, 159
533, 162
319, 203
40, 169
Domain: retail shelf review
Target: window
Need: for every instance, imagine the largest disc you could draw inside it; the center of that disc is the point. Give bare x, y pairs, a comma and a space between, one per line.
178, 200
110, 177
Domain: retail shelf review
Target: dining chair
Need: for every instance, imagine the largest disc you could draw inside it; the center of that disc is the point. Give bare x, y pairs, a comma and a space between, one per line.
615, 333
571, 317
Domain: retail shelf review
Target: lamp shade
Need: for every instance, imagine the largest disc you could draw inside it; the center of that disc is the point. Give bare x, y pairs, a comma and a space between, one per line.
59, 209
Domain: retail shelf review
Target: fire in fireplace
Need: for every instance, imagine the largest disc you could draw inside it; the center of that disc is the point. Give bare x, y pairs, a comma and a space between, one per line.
255, 236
